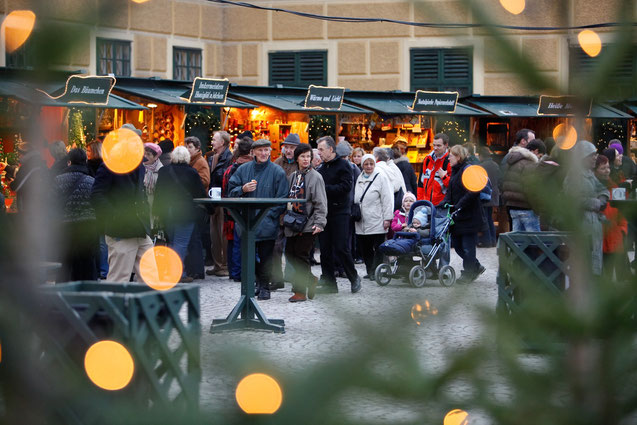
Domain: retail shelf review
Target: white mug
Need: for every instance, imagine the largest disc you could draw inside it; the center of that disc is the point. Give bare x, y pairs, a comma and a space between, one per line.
215, 193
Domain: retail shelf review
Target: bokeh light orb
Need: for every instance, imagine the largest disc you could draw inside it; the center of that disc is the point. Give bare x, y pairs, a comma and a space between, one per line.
160, 268
122, 150
109, 365
513, 6
456, 417
565, 136
419, 312
590, 42
259, 394
474, 178
17, 27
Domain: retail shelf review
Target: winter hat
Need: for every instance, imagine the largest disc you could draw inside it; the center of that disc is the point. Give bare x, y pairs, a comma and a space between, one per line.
292, 139
421, 216
409, 195
154, 148
617, 145
584, 148
246, 133
366, 157
343, 149
610, 153
132, 128
166, 146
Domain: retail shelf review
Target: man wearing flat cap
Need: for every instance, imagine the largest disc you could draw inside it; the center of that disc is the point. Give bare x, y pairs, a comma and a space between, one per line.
262, 179
286, 160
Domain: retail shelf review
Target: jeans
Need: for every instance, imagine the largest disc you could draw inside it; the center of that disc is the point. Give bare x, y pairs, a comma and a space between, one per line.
524, 221
178, 239
194, 265
465, 246
103, 257
234, 256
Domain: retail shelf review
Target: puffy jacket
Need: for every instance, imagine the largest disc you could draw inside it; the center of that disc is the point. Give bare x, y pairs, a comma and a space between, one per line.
73, 192
399, 219
337, 176
470, 218
431, 187
520, 170
377, 204
271, 183
316, 205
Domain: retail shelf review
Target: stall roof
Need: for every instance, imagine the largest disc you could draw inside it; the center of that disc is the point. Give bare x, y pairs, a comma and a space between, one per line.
168, 91
288, 99
399, 103
526, 106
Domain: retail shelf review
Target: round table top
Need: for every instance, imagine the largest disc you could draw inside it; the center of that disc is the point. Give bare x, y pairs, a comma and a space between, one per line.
255, 202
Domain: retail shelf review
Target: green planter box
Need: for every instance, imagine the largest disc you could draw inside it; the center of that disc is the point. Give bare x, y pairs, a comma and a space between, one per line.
161, 330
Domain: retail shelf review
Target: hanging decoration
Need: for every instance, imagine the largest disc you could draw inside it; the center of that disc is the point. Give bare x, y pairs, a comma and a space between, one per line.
607, 131
455, 130
77, 138
321, 125
202, 119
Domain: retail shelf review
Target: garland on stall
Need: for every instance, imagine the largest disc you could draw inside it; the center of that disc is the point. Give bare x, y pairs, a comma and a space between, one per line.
76, 130
455, 130
609, 130
202, 119
9, 158
321, 125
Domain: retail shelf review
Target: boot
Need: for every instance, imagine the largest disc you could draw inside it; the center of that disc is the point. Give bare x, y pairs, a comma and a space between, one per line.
264, 294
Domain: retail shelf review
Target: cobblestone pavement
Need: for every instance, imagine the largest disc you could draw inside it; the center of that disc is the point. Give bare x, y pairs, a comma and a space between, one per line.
316, 329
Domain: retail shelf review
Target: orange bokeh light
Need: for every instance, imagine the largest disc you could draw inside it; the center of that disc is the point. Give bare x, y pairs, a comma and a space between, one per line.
122, 151
456, 417
474, 178
259, 394
565, 136
140, 1
420, 311
590, 42
109, 365
513, 6
17, 27
160, 268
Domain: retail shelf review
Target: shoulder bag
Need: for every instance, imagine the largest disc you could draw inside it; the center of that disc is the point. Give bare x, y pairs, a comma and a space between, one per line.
357, 215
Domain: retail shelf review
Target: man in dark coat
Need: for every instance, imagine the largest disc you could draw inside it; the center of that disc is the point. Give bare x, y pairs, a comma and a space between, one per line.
337, 176
488, 239
121, 207
519, 172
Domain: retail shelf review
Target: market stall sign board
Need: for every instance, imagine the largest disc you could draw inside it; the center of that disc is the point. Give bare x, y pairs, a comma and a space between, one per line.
432, 101
206, 90
91, 90
324, 97
564, 105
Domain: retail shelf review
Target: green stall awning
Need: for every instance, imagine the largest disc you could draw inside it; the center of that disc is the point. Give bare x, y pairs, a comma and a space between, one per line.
288, 99
526, 107
400, 103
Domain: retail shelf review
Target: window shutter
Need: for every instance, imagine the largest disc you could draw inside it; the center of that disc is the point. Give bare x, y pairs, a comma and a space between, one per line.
622, 78
442, 69
298, 68
456, 64
282, 68
425, 65
312, 68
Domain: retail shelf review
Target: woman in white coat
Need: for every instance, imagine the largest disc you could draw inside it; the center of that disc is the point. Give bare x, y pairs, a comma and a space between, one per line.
376, 211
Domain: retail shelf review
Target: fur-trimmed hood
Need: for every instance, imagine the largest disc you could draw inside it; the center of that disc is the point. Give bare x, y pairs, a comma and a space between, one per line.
518, 153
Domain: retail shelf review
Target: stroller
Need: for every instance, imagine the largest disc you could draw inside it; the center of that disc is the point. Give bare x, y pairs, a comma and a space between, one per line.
427, 245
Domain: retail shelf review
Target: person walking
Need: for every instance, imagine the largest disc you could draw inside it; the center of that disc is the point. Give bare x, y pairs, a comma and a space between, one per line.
261, 178
436, 171
488, 239
152, 165
376, 199
469, 220
337, 176
385, 165
306, 183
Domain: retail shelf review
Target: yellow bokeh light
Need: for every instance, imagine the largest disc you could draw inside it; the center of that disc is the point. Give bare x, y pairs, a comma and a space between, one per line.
513, 6
17, 27
140, 1
420, 311
565, 136
259, 394
590, 42
160, 268
474, 178
122, 151
109, 365
456, 417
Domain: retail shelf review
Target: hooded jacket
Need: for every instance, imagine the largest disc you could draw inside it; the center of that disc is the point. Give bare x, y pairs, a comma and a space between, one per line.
519, 172
431, 187
377, 205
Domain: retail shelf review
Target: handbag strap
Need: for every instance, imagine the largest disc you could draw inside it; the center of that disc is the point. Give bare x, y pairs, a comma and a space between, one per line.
367, 188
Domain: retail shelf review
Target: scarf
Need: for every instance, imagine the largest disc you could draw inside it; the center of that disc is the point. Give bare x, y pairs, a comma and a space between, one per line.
297, 190
150, 177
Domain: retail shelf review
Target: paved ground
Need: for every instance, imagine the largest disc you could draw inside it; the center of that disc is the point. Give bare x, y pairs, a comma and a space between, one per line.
318, 330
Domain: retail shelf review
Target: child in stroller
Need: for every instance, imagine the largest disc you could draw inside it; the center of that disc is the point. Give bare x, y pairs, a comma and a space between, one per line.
424, 243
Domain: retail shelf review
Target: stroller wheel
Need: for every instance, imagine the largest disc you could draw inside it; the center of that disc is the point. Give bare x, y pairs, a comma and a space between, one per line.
383, 274
447, 276
417, 276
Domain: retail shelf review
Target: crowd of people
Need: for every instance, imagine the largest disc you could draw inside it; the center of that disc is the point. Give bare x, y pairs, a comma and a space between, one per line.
354, 201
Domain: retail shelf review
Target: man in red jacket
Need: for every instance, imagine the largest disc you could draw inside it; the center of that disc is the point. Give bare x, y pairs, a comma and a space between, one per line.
436, 170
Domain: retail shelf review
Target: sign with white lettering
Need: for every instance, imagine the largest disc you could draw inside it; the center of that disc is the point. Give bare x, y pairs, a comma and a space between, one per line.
324, 97
205, 90
91, 90
435, 101
564, 105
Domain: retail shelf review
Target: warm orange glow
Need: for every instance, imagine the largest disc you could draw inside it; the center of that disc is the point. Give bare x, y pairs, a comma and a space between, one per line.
160, 268
109, 365
17, 28
456, 417
565, 136
140, 1
513, 6
122, 151
259, 394
474, 178
590, 42
420, 311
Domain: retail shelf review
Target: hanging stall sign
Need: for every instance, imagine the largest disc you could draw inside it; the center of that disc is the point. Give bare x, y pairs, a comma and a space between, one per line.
324, 97
564, 105
435, 101
205, 90
91, 90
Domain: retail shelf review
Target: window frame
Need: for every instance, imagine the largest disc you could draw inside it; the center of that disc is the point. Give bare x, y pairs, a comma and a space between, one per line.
442, 83
188, 67
298, 57
126, 62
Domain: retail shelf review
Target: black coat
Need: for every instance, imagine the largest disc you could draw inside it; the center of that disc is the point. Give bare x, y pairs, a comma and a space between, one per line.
216, 174
337, 176
120, 203
177, 186
72, 192
470, 218
411, 182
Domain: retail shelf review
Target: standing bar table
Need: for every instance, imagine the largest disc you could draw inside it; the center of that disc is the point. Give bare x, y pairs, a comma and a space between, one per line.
247, 213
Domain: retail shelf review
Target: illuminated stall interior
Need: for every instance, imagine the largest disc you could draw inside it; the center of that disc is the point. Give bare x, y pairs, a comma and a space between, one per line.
281, 111
630, 107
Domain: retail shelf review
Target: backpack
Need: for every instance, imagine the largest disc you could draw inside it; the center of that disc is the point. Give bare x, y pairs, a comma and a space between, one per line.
485, 193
